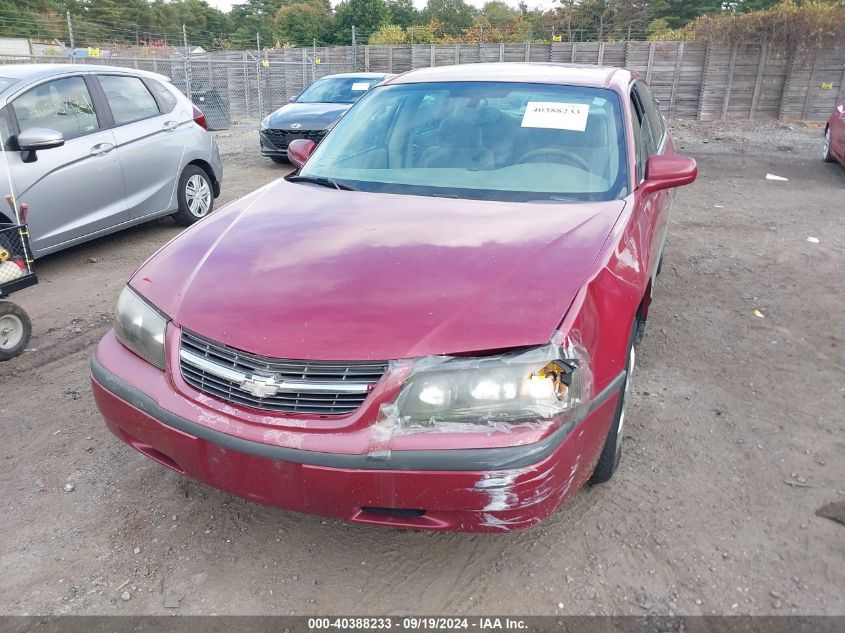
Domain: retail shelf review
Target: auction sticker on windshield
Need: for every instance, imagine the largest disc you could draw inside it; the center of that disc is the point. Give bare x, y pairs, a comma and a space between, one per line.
556, 116
362, 85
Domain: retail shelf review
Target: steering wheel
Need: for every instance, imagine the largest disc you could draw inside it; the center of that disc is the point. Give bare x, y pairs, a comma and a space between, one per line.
568, 156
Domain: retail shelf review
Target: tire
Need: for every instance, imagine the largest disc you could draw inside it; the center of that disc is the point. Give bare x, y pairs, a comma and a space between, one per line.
826, 155
15, 330
611, 454
195, 195
279, 160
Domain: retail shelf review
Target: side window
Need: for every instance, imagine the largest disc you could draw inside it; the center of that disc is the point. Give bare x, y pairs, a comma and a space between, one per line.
129, 99
64, 105
640, 146
656, 122
166, 99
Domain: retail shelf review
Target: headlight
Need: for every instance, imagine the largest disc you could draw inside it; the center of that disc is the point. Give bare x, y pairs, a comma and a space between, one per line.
265, 123
539, 383
140, 327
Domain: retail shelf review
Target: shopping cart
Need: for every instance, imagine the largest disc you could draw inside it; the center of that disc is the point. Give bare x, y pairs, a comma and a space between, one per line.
16, 273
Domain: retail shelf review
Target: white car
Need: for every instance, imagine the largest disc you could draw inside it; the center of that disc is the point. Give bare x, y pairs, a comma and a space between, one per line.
95, 149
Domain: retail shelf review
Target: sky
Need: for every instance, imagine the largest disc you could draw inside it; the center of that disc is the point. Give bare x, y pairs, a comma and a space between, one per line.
225, 5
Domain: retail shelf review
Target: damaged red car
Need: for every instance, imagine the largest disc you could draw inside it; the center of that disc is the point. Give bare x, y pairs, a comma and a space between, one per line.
432, 324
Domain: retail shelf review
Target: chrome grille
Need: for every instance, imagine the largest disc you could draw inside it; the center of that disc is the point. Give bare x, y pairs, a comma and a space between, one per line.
314, 387
282, 138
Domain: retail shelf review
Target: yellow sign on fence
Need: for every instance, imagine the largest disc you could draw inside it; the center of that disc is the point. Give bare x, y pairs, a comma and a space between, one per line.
828, 85
265, 63
557, 38
93, 52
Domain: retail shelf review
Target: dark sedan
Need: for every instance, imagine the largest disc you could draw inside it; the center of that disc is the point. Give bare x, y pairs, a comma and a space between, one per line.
312, 113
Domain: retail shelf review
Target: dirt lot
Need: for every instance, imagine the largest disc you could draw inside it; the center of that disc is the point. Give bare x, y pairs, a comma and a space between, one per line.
735, 438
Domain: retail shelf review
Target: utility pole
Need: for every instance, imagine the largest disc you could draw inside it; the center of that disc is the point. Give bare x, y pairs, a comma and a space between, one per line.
354, 51
258, 41
70, 32
187, 60
314, 59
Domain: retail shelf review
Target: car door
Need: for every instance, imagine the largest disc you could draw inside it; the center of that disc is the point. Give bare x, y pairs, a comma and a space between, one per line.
150, 142
73, 190
653, 141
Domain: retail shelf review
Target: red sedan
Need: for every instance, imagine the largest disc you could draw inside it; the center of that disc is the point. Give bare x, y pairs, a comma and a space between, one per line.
834, 136
432, 324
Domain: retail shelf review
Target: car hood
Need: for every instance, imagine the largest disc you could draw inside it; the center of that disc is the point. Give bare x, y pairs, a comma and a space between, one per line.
305, 272
311, 116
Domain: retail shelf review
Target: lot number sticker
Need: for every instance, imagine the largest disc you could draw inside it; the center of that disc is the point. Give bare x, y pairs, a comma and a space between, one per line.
358, 86
556, 116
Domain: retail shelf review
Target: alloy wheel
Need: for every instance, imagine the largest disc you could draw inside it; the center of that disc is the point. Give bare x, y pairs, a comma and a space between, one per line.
198, 196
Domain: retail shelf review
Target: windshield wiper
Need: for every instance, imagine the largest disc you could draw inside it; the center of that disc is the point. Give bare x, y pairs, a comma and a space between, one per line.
323, 182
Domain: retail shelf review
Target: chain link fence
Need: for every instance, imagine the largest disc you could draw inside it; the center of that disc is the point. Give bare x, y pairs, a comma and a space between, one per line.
693, 80
229, 87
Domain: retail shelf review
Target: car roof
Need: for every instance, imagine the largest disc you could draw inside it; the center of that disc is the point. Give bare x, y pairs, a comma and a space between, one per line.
39, 71
521, 72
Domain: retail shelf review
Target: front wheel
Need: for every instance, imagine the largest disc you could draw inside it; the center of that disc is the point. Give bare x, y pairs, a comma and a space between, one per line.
196, 197
279, 160
826, 155
15, 330
611, 454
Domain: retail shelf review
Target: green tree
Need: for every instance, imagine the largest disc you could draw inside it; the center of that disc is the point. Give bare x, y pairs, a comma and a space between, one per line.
403, 13
499, 15
389, 34
255, 17
454, 16
304, 22
679, 12
367, 16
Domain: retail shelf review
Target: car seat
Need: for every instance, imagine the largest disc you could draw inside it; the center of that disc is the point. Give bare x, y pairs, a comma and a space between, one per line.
458, 145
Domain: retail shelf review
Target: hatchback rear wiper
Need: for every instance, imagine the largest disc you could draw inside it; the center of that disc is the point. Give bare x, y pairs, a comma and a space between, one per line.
322, 181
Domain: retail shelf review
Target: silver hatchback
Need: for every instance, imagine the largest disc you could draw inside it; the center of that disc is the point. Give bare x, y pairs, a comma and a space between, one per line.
95, 149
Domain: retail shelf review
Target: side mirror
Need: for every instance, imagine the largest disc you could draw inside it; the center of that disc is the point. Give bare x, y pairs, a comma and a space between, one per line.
38, 138
293, 99
299, 150
664, 171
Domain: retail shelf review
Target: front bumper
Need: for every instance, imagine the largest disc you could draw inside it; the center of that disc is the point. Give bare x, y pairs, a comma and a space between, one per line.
492, 489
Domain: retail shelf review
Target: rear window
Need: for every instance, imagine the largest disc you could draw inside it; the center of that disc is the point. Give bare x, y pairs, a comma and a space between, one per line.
129, 99
166, 99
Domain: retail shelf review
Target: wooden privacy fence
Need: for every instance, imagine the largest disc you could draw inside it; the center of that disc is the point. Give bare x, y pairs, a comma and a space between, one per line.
693, 80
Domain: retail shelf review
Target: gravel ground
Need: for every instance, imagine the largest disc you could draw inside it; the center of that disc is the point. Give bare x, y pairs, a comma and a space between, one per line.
735, 438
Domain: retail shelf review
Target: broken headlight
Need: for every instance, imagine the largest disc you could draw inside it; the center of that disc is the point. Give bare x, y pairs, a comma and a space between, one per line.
533, 384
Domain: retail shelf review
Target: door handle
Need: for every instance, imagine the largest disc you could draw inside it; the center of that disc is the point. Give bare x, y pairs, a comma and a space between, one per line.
101, 148
169, 125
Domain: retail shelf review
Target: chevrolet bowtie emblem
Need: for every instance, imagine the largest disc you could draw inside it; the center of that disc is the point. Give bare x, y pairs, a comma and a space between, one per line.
261, 386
